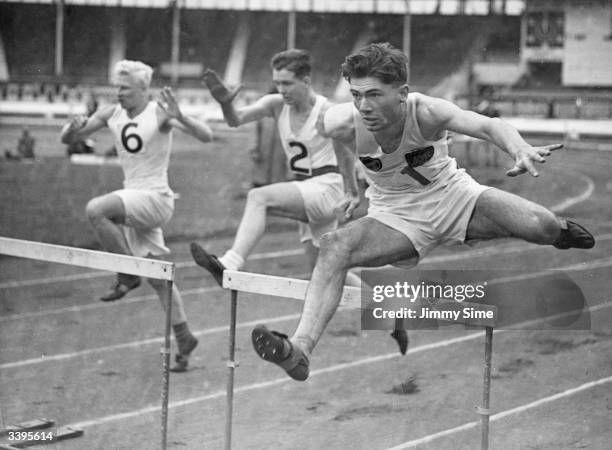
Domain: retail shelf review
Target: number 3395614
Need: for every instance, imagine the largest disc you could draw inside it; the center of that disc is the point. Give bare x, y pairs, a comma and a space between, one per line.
30, 436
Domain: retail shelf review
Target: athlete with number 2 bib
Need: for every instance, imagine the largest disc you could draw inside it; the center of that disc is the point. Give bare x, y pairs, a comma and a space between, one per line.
311, 199
128, 221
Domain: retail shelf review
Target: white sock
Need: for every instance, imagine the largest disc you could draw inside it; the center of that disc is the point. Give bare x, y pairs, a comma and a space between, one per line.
232, 260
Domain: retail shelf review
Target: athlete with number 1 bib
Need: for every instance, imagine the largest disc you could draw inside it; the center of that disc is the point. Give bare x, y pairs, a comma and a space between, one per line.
316, 195
419, 198
129, 220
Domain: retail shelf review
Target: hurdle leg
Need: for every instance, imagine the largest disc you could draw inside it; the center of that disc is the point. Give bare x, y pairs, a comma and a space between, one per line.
166, 366
231, 366
484, 410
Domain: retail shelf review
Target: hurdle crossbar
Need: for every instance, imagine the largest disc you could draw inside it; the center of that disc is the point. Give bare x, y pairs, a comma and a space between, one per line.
92, 259
254, 283
113, 262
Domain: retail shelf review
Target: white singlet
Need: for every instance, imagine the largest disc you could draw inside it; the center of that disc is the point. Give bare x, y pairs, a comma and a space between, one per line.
308, 154
418, 189
305, 149
143, 150
144, 155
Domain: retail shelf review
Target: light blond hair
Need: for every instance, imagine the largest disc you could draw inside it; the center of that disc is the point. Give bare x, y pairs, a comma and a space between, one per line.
138, 71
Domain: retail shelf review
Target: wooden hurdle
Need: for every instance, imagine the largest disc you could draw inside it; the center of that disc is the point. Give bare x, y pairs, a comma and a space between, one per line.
237, 281
145, 267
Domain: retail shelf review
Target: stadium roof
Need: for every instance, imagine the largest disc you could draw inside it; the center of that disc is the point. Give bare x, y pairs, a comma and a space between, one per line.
447, 7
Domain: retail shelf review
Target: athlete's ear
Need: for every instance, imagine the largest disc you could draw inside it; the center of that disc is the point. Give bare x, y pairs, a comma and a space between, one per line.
307, 80
403, 91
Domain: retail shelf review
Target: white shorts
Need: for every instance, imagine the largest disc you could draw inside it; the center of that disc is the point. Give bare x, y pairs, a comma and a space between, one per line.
431, 218
321, 195
145, 213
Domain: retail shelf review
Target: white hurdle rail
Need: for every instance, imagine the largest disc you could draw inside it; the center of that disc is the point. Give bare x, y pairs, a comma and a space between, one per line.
112, 262
237, 281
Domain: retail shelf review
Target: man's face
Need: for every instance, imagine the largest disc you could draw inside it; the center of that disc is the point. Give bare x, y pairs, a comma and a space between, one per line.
379, 104
292, 88
130, 93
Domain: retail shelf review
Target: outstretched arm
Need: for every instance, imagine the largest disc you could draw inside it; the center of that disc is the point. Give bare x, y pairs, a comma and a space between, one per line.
81, 126
438, 114
175, 118
264, 107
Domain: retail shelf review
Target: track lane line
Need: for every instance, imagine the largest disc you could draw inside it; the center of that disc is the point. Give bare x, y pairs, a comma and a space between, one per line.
571, 201
102, 305
502, 415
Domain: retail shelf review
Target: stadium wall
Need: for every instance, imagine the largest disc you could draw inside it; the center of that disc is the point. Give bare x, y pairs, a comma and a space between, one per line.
568, 43
588, 57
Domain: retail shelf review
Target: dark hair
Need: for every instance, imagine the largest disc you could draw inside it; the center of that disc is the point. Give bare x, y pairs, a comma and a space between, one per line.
381, 60
295, 60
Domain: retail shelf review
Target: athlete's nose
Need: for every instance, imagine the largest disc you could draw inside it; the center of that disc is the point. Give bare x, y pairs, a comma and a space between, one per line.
364, 105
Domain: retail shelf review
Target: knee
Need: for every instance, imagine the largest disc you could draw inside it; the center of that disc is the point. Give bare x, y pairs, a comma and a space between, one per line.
93, 210
335, 247
257, 196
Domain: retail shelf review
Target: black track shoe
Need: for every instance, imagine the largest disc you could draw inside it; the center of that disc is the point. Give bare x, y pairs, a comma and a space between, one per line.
270, 346
208, 261
574, 236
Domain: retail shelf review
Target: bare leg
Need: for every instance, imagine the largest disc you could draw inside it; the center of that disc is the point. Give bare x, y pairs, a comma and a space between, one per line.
185, 340
365, 242
178, 309
106, 213
280, 199
501, 214
312, 252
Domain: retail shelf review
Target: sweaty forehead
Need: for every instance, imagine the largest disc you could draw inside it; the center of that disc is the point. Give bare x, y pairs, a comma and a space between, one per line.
368, 84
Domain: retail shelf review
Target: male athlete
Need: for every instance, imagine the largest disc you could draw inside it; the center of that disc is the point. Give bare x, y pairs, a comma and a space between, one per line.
419, 199
316, 195
129, 220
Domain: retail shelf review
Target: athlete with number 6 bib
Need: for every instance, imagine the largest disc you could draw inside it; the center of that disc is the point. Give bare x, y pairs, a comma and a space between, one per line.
129, 220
